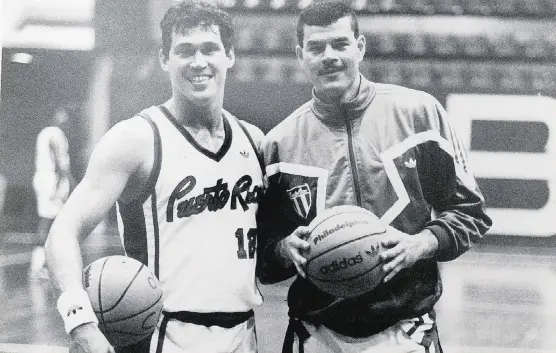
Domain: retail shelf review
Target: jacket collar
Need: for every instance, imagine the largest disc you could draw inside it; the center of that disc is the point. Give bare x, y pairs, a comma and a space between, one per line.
352, 109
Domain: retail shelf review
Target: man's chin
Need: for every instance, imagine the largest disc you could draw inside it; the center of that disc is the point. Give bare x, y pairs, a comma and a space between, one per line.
202, 97
331, 89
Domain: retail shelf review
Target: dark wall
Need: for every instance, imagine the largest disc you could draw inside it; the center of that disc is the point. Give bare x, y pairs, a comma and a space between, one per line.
31, 93
264, 104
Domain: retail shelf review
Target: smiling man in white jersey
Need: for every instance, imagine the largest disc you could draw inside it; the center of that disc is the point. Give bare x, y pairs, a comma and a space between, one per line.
187, 181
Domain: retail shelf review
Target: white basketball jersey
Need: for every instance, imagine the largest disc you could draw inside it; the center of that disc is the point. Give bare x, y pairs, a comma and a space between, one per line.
196, 227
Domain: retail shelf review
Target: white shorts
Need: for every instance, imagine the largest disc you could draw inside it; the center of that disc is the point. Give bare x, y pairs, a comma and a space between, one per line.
185, 337
408, 336
51, 193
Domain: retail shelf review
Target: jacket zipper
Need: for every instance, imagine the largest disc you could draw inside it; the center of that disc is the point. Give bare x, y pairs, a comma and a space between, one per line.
353, 164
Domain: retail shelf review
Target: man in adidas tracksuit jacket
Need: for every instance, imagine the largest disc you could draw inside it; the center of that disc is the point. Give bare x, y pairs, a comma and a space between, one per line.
388, 149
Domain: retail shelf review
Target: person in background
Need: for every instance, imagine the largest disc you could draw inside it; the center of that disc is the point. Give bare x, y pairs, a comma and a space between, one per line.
388, 149
52, 183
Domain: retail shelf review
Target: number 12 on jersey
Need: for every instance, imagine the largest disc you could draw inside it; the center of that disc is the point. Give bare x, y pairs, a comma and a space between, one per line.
251, 243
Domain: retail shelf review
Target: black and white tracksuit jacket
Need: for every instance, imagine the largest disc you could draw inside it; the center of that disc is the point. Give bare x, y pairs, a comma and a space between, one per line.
392, 151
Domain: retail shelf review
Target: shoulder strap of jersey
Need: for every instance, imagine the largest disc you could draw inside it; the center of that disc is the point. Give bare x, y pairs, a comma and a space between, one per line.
252, 142
153, 177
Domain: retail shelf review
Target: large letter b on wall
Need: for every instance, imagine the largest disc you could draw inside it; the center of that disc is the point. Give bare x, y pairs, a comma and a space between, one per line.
512, 150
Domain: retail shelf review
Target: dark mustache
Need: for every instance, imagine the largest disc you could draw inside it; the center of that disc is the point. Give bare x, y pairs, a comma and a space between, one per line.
328, 68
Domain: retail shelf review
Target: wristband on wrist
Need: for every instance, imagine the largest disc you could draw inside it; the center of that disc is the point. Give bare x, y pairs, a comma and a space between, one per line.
75, 308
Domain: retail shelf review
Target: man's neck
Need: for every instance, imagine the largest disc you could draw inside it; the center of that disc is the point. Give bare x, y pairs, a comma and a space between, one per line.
205, 125
342, 97
195, 116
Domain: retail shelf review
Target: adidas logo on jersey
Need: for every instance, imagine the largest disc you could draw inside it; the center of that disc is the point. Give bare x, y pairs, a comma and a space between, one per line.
410, 163
213, 198
244, 154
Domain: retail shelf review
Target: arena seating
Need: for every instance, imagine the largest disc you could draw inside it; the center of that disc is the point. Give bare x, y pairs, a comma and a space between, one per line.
502, 8
441, 46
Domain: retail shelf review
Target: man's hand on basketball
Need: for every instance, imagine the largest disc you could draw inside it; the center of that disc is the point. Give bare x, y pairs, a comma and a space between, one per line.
404, 250
87, 338
290, 249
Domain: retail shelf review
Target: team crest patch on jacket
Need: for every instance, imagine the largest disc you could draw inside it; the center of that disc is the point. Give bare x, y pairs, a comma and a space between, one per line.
301, 198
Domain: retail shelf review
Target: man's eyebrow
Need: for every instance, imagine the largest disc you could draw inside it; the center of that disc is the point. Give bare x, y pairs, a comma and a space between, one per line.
189, 45
315, 42
331, 40
183, 46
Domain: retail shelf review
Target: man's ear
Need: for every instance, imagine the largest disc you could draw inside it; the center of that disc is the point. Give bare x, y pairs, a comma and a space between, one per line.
231, 57
361, 46
163, 60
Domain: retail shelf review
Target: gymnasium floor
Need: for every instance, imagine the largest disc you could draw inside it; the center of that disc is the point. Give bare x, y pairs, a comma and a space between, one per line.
495, 300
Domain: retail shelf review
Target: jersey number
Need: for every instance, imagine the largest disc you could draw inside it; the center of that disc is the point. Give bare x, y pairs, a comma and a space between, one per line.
251, 243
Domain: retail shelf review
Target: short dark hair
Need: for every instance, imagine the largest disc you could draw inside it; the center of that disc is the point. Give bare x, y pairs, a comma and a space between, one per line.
324, 13
192, 13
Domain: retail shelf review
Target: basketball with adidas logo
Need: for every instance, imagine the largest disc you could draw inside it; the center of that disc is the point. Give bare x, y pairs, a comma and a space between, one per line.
126, 298
344, 254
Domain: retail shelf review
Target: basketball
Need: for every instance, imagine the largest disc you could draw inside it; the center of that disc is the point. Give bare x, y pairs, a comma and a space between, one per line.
344, 254
126, 298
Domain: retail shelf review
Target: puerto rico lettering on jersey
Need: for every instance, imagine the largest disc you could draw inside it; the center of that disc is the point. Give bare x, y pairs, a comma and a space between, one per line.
213, 198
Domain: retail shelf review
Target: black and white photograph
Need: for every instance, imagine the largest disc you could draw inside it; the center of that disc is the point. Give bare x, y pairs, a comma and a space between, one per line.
278, 176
